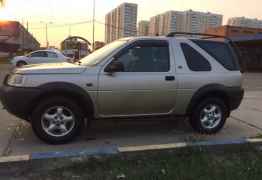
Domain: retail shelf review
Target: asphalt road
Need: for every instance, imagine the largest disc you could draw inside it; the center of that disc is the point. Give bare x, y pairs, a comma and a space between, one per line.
17, 138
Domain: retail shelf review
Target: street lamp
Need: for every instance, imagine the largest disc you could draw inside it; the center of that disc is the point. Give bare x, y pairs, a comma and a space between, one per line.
46, 31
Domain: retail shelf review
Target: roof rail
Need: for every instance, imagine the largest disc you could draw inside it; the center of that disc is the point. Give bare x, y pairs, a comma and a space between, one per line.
206, 36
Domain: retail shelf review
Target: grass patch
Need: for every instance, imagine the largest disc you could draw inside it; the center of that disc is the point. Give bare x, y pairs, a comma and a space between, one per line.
190, 164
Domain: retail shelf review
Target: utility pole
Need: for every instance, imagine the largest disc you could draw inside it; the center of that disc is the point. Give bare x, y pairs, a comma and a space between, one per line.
94, 14
46, 32
46, 35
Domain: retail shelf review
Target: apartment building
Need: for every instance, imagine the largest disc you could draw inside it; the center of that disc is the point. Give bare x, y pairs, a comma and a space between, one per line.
245, 22
154, 25
198, 22
143, 28
173, 21
121, 22
186, 21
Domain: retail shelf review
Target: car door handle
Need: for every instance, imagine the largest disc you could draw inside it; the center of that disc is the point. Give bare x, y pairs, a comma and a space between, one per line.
170, 78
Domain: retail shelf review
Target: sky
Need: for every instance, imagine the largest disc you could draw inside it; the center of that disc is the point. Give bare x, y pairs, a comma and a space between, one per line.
59, 13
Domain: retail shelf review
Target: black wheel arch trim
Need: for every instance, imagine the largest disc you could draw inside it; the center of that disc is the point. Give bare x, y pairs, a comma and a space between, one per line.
73, 91
231, 95
21, 61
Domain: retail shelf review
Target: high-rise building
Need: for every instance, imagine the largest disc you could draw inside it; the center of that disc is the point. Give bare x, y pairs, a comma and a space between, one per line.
173, 22
154, 25
245, 22
198, 22
186, 21
162, 24
143, 28
121, 22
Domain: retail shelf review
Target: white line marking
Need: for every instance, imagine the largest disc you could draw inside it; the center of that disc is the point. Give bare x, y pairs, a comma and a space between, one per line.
14, 158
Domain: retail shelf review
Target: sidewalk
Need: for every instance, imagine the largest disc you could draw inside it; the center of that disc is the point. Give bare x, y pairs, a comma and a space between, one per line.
7, 129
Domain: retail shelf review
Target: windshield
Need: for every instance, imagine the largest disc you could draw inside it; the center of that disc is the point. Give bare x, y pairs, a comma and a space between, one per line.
99, 55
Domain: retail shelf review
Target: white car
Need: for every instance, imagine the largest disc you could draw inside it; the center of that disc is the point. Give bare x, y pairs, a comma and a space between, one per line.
41, 56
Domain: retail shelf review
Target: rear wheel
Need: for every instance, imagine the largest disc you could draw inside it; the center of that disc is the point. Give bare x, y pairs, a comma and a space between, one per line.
21, 64
57, 120
209, 116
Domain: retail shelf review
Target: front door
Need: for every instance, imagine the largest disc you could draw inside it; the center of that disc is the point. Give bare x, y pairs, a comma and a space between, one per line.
38, 57
146, 86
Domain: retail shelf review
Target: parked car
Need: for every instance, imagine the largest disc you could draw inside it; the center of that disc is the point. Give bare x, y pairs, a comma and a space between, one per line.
41, 56
129, 78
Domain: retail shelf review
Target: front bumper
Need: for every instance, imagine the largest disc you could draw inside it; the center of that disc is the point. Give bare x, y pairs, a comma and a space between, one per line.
17, 100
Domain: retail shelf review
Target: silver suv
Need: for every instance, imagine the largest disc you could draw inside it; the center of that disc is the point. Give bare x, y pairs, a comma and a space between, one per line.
196, 77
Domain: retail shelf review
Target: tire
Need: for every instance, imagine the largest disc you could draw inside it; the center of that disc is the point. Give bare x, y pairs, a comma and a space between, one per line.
205, 119
21, 63
52, 114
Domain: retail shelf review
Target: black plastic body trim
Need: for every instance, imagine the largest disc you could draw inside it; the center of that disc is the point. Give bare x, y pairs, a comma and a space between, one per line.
235, 97
71, 91
231, 95
17, 101
21, 101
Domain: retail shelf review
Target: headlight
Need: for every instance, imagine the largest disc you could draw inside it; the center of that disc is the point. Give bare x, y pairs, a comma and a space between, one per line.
16, 80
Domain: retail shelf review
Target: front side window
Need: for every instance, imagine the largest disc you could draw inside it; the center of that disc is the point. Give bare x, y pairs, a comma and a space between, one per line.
195, 61
147, 56
39, 54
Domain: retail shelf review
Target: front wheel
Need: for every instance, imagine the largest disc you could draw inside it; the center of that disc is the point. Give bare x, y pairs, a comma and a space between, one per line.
57, 120
209, 116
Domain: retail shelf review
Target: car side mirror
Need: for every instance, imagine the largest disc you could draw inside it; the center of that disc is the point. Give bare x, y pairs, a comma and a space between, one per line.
114, 66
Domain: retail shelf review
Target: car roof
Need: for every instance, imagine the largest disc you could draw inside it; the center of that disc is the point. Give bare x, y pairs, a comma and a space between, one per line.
176, 37
48, 50
157, 38
145, 38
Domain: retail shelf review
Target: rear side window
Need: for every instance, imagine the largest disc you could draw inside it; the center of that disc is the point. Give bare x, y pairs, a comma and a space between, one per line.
195, 61
52, 55
220, 51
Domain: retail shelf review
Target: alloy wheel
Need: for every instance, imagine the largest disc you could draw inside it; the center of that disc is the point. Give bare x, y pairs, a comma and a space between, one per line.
211, 116
58, 121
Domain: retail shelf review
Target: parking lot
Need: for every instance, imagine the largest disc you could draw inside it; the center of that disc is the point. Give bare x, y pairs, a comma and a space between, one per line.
17, 138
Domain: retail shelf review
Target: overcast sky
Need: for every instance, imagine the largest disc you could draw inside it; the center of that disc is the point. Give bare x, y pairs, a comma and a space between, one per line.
61, 12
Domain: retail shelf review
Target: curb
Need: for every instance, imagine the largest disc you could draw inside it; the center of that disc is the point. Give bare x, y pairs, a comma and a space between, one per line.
107, 150
113, 149
208, 144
